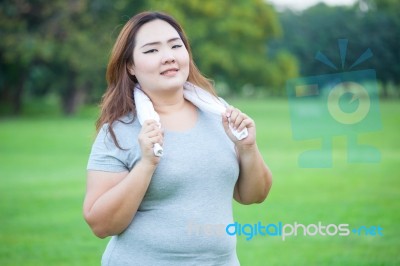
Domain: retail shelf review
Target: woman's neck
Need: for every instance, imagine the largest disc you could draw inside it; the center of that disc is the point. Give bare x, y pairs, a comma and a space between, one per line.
168, 102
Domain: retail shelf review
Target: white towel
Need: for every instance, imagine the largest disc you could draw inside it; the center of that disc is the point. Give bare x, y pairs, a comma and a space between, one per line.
208, 102
198, 96
145, 111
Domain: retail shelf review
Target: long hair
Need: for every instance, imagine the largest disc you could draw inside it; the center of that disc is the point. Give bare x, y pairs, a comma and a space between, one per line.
118, 100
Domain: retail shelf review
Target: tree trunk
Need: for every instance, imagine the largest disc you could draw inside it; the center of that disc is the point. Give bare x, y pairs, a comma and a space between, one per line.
73, 97
17, 95
385, 93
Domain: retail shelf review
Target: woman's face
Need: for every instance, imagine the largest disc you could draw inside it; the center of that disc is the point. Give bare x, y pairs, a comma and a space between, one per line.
161, 61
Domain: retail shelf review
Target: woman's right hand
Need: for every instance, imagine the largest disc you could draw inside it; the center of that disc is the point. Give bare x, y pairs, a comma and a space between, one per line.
150, 134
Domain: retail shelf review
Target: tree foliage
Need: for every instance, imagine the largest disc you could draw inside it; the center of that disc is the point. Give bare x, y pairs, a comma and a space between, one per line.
56, 46
370, 24
62, 47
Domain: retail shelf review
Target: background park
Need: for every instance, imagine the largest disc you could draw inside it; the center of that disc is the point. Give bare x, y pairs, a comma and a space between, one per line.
53, 57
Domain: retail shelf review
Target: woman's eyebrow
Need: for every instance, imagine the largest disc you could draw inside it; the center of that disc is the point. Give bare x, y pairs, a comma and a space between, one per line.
155, 43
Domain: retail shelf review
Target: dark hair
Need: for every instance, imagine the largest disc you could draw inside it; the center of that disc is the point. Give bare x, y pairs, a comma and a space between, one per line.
117, 101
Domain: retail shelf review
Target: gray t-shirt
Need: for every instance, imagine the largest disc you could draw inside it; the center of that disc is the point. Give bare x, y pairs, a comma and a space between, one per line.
188, 204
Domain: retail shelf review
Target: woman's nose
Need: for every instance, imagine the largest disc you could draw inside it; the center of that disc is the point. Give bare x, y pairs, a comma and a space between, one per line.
168, 57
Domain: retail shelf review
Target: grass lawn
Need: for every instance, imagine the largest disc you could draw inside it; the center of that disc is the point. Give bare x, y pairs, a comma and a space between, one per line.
42, 184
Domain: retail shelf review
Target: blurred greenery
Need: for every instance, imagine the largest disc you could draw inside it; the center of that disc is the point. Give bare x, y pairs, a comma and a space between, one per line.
42, 177
60, 48
367, 24
53, 57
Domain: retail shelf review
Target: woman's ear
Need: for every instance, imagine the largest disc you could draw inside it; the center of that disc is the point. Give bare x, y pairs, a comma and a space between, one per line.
131, 69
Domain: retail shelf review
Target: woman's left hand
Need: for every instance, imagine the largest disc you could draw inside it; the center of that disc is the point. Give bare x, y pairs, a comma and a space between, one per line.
239, 121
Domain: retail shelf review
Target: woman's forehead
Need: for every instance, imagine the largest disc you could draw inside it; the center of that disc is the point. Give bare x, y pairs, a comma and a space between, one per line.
155, 31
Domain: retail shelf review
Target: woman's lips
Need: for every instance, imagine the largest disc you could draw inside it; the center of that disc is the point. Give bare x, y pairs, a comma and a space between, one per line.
169, 72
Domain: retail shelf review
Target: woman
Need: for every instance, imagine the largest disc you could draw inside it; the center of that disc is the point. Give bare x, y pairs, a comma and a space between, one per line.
148, 203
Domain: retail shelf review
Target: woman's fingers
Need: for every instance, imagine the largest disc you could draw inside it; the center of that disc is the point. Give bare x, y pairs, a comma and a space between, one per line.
156, 139
246, 122
150, 134
234, 119
149, 125
237, 119
154, 132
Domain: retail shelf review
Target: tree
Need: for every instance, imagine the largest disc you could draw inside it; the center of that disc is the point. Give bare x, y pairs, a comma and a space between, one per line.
367, 24
61, 45
384, 23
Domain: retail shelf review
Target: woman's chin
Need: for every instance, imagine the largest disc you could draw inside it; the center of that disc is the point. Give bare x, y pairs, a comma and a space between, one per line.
173, 86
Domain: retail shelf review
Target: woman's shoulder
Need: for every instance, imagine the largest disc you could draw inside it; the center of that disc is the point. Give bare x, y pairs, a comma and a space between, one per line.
119, 153
123, 128
124, 123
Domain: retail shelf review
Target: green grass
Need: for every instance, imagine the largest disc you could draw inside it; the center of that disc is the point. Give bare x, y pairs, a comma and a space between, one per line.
42, 185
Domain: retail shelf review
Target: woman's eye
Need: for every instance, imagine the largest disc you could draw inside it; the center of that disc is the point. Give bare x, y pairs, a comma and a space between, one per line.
176, 46
150, 51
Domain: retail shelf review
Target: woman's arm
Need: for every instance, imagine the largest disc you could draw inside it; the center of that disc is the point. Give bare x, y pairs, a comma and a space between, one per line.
255, 178
112, 199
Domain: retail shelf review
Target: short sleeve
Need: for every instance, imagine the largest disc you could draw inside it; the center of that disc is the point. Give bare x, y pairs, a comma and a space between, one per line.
106, 156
